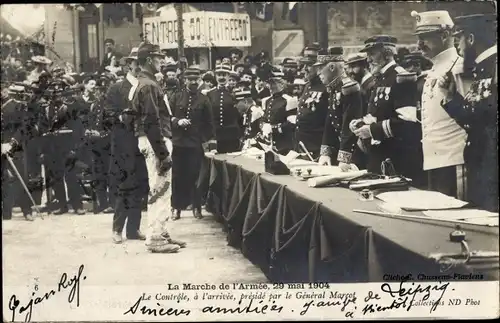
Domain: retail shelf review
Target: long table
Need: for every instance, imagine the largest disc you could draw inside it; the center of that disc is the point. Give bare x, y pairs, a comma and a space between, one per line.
296, 233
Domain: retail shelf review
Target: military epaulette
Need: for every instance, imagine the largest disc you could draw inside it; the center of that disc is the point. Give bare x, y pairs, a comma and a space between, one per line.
350, 88
406, 77
291, 102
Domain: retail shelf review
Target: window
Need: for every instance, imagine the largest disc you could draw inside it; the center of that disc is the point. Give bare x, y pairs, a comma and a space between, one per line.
92, 40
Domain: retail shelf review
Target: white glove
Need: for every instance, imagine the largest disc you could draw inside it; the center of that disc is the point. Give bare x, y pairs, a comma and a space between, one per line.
184, 122
344, 167
6, 148
369, 119
353, 125
266, 129
325, 161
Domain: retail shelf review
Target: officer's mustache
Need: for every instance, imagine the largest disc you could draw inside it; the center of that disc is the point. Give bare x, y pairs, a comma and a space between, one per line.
221, 79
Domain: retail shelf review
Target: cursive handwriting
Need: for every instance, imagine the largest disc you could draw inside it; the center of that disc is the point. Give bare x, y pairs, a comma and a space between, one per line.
347, 300
249, 308
404, 296
63, 284
160, 311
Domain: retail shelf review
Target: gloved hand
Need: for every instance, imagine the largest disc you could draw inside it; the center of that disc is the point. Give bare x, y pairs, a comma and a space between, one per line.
164, 165
344, 167
325, 161
6, 148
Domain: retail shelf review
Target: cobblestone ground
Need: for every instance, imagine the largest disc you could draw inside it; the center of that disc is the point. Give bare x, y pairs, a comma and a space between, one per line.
44, 249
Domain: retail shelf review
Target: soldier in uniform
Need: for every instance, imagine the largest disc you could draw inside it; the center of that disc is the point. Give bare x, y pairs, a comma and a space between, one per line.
100, 125
58, 122
477, 111
311, 113
141, 116
344, 105
443, 140
357, 69
192, 126
226, 116
17, 130
278, 122
383, 131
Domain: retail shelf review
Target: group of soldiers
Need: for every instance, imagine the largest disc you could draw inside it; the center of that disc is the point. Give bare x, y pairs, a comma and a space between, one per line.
430, 117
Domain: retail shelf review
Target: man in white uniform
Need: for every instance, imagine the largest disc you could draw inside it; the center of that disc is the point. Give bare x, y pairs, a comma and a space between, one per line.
443, 140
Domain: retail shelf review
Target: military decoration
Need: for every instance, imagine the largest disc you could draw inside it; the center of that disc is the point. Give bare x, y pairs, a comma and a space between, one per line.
387, 91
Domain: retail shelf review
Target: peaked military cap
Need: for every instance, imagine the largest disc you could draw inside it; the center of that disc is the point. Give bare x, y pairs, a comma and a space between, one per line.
355, 58
223, 68
475, 23
192, 71
379, 41
432, 21
416, 58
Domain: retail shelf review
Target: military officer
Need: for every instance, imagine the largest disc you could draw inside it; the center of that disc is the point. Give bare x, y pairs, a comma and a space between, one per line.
477, 111
357, 69
344, 105
443, 140
226, 116
192, 127
312, 111
58, 122
18, 128
384, 131
278, 122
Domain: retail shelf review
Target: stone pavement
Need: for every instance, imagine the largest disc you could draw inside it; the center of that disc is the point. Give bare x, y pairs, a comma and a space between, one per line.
44, 249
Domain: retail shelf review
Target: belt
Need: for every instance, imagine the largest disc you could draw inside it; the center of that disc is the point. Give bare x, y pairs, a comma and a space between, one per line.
57, 132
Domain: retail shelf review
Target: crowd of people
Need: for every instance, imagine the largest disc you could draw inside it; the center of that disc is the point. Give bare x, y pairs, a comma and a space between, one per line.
431, 115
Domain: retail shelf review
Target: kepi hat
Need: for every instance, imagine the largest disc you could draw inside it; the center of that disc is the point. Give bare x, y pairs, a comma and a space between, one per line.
379, 41
432, 21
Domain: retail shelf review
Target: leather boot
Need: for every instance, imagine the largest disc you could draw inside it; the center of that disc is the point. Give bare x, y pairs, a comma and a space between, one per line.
117, 237
197, 213
176, 214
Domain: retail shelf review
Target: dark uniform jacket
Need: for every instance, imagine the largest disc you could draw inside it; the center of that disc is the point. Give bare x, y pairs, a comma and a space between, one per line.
142, 115
196, 107
477, 113
18, 123
278, 109
227, 119
393, 137
311, 114
345, 105
367, 84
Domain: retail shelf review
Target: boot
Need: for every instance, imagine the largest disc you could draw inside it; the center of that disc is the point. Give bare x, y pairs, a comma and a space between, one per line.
176, 214
181, 244
61, 211
28, 217
197, 213
136, 236
117, 237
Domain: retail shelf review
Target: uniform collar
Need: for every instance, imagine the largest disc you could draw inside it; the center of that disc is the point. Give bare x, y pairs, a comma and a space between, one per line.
487, 53
445, 56
387, 66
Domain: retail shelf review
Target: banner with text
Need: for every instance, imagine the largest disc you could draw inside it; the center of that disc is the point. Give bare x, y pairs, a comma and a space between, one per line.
201, 29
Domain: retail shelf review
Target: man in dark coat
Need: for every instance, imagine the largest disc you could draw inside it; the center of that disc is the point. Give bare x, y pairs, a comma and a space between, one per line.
226, 116
384, 133
192, 126
477, 112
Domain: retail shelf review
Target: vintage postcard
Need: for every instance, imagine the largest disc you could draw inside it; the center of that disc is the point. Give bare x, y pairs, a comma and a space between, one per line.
249, 161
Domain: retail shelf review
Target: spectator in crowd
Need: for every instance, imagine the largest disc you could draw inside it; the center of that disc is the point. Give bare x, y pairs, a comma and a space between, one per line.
109, 48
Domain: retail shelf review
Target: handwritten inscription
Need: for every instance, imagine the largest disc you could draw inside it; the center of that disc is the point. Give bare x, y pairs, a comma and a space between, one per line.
72, 283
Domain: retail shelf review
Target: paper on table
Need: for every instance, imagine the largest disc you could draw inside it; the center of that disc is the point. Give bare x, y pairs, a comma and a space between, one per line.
421, 200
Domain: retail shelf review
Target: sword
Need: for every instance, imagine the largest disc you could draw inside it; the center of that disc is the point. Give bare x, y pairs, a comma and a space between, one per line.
301, 144
24, 185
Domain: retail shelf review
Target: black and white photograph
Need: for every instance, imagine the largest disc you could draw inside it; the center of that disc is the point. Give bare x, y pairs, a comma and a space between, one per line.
249, 161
